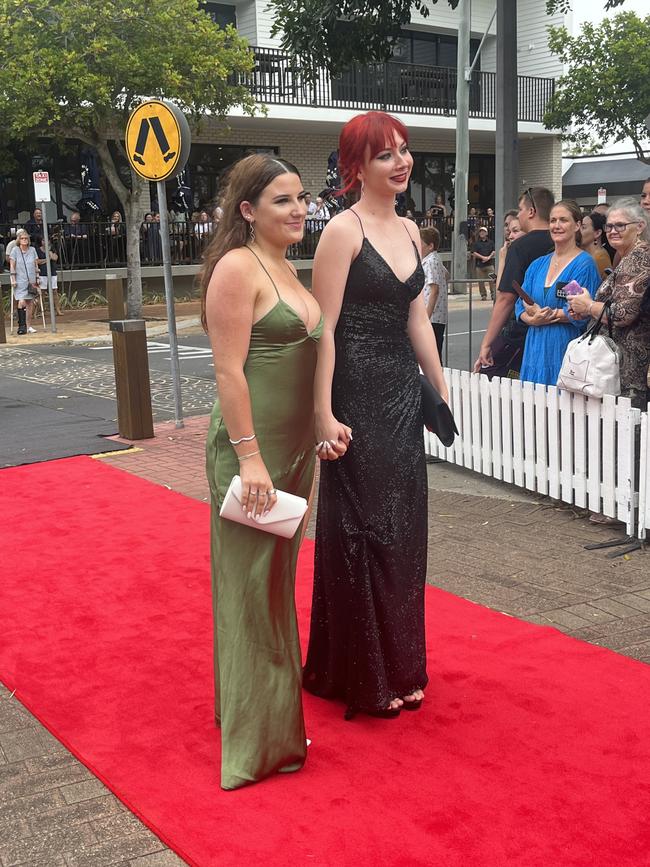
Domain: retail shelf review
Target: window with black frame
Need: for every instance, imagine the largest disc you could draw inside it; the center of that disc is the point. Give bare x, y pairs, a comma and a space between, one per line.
421, 73
221, 13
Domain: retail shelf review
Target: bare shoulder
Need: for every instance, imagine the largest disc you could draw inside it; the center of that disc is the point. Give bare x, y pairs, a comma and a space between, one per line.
234, 261
234, 275
340, 226
412, 229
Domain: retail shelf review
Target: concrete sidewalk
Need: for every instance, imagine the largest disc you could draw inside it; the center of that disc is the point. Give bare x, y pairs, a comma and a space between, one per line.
91, 325
488, 542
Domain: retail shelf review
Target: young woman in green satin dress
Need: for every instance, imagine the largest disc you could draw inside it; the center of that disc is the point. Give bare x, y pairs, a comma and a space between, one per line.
264, 328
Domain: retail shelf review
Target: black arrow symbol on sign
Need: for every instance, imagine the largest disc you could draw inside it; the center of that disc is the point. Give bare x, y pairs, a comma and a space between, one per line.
161, 138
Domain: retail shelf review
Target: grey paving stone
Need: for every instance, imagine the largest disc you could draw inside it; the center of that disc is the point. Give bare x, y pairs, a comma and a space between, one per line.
117, 825
13, 715
564, 620
83, 791
611, 606
76, 814
32, 805
41, 846
21, 782
635, 600
590, 613
640, 652
108, 853
51, 860
167, 858
58, 758
15, 829
25, 743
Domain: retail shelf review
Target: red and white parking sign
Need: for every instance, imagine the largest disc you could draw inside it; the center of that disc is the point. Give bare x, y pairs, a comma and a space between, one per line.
42, 186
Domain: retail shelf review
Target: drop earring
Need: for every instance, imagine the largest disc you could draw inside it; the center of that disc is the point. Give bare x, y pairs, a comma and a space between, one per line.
251, 232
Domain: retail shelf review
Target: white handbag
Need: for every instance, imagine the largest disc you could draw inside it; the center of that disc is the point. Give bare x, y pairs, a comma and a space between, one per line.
283, 519
591, 363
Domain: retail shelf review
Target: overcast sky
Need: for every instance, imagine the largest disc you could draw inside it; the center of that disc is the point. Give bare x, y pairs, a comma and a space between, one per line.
594, 10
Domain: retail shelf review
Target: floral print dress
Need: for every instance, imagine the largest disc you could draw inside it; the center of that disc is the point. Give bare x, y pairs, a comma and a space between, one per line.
627, 286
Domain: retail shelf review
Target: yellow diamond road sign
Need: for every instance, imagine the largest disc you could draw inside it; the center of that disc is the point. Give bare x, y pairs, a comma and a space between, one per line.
157, 140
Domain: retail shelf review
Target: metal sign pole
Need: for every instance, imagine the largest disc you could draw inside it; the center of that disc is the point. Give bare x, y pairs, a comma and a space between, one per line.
169, 297
48, 268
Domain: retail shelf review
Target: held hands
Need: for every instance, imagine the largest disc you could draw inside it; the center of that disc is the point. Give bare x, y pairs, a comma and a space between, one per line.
332, 439
258, 493
539, 315
579, 305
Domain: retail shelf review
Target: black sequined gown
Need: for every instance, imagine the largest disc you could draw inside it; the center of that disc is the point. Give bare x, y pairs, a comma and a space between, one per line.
366, 644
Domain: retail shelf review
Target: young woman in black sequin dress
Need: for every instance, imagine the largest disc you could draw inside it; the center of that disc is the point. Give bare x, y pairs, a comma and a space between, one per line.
366, 645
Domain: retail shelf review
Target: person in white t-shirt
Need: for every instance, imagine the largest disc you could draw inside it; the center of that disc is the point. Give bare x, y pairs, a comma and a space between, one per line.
435, 284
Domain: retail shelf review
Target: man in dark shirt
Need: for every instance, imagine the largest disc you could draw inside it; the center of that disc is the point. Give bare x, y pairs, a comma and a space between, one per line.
34, 226
483, 256
534, 212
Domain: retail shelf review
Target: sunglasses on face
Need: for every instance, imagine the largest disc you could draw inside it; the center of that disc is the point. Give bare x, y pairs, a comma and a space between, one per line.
616, 227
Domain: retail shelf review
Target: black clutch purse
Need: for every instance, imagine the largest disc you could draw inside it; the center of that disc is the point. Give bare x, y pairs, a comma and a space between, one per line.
437, 415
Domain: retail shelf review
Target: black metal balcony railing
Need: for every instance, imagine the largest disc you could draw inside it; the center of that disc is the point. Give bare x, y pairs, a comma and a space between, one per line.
399, 87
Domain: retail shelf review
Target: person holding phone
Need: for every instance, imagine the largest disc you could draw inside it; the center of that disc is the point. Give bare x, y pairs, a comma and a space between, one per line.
551, 325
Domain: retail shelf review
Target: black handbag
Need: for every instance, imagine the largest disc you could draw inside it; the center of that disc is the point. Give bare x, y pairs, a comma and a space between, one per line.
438, 418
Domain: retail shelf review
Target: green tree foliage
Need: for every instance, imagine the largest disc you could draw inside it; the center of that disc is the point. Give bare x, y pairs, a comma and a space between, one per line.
606, 91
75, 69
553, 6
337, 35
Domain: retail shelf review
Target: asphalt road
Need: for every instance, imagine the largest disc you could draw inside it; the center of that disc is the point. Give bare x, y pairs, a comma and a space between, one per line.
79, 380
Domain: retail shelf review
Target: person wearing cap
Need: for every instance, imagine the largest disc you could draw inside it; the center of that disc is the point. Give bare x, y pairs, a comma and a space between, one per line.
483, 256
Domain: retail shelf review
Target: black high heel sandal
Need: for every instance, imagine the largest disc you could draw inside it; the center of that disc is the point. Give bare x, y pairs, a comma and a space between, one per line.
411, 705
386, 713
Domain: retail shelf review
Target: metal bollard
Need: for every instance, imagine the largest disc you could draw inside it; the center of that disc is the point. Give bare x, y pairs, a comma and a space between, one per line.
134, 417
115, 297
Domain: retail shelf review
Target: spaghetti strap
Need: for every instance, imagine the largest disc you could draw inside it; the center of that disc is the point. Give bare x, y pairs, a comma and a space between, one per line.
265, 271
415, 246
360, 223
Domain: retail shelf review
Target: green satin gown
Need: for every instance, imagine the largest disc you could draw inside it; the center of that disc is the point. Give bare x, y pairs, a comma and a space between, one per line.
257, 658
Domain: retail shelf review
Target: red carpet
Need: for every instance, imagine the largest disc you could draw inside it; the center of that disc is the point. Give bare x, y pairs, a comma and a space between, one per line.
532, 749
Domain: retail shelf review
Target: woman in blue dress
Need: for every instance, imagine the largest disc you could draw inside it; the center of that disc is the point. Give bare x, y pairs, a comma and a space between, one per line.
550, 325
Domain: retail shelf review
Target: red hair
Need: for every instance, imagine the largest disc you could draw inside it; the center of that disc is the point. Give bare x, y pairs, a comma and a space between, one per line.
374, 130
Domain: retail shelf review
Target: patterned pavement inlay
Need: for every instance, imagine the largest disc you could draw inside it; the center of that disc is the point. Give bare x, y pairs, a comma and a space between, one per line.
87, 376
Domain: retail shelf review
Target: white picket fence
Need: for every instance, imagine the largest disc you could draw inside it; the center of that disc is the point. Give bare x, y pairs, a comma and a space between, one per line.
644, 480
582, 451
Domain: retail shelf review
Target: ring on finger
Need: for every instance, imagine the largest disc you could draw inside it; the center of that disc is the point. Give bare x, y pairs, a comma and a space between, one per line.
271, 492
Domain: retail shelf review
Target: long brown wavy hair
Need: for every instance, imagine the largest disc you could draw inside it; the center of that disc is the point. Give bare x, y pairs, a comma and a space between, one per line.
246, 181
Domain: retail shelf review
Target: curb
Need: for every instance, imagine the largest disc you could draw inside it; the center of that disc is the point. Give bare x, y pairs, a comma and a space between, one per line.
153, 331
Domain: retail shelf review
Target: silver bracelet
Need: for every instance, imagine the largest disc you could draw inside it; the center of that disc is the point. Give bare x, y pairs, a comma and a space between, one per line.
241, 440
241, 458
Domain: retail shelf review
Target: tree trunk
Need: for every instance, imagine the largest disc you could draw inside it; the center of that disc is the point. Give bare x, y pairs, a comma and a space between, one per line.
136, 207
135, 202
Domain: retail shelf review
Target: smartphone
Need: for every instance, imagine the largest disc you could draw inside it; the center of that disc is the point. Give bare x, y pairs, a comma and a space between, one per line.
525, 297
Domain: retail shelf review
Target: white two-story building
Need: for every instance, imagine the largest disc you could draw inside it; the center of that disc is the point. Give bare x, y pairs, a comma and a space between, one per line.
303, 121
418, 85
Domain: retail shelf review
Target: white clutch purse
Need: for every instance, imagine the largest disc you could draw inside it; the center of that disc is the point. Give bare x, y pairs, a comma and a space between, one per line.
283, 519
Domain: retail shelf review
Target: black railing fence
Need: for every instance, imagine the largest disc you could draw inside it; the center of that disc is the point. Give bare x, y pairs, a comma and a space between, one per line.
102, 245
401, 87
